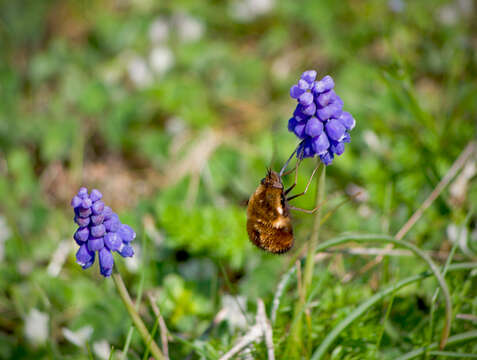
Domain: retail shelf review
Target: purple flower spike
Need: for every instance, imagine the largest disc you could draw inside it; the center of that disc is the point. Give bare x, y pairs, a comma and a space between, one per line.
309, 76
321, 123
95, 195
126, 233
314, 127
84, 257
335, 130
106, 262
113, 241
99, 230
127, 251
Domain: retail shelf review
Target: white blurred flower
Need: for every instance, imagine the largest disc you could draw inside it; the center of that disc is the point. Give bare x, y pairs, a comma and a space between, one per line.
132, 263
359, 193
159, 30
161, 59
5, 234
466, 7
281, 67
365, 211
139, 72
233, 308
188, 28
59, 257
175, 125
460, 235
102, 349
396, 5
78, 337
373, 141
247, 10
449, 14
459, 187
36, 327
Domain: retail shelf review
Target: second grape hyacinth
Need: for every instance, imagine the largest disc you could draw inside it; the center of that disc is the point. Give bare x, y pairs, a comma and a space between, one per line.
99, 230
319, 119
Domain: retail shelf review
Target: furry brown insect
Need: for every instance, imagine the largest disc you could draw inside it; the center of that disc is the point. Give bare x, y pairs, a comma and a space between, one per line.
268, 216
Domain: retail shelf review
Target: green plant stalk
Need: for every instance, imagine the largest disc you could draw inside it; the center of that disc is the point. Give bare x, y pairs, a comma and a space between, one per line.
296, 325
453, 340
315, 235
452, 354
381, 333
131, 328
136, 319
144, 264
364, 307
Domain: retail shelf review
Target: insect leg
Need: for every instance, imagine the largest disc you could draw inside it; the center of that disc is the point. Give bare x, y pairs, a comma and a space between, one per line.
296, 177
289, 159
303, 210
306, 188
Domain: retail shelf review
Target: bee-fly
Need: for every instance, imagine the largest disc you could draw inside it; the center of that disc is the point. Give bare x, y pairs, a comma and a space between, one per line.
268, 213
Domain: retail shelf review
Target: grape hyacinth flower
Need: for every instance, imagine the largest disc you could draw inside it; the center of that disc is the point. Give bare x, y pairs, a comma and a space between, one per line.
319, 120
99, 230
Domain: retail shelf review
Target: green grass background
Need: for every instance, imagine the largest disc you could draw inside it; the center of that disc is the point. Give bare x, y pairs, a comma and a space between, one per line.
178, 155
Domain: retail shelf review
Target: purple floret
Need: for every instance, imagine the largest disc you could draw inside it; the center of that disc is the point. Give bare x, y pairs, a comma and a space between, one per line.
126, 233
95, 195
319, 120
106, 262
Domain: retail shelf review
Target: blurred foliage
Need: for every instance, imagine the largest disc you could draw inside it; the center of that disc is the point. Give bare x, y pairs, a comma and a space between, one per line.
174, 111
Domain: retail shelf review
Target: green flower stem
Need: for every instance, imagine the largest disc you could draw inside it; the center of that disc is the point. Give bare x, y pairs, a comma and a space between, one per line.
315, 234
136, 319
296, 327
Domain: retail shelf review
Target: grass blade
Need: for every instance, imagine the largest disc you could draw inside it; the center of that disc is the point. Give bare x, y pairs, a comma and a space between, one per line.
364, 307
453, 340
